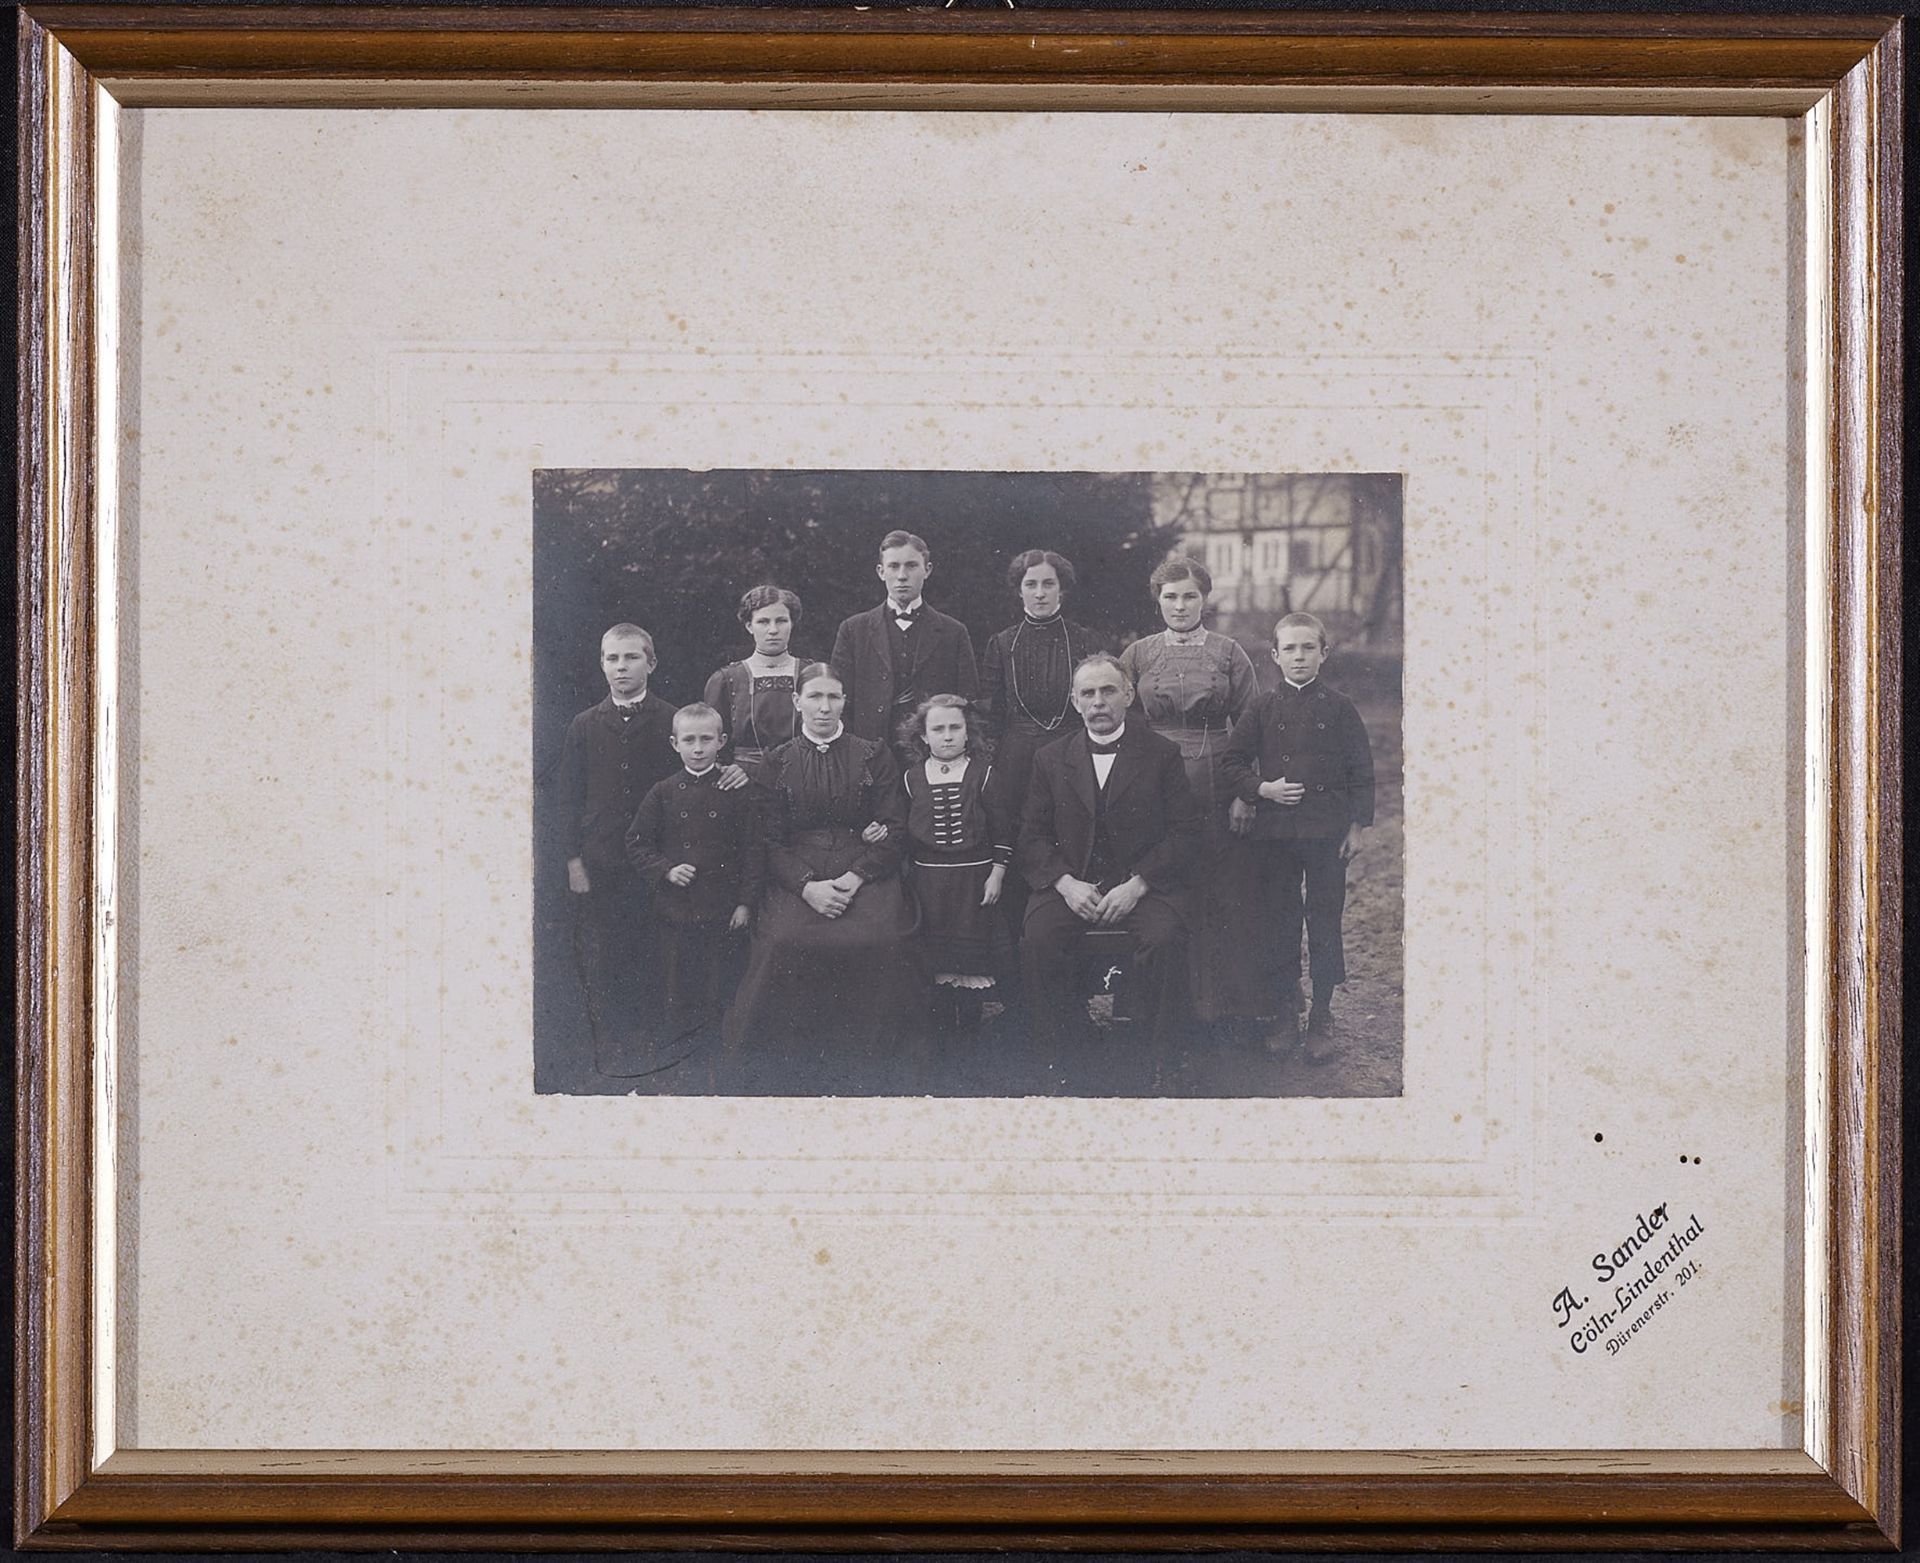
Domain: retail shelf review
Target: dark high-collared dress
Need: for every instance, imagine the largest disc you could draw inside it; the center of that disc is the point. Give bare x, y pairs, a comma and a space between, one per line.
853, 983
1026, 689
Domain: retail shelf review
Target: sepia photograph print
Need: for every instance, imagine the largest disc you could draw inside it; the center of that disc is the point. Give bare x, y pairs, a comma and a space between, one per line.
981, 784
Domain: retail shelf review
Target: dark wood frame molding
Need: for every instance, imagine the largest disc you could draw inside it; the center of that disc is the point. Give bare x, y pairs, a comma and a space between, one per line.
66, 1498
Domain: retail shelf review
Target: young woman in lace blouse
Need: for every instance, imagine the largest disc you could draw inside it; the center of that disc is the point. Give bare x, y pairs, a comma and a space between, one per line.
754, 696
1193, 684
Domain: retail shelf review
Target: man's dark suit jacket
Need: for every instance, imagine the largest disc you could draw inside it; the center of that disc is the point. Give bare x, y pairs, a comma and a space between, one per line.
1153, 822
942, 665
606, 768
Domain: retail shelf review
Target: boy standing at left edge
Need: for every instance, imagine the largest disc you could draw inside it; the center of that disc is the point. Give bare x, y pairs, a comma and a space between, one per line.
614, 753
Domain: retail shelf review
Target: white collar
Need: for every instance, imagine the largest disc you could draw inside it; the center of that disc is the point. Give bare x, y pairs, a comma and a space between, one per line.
779, 664
1107, 743
696, 775
1308, 685
823, 744
1192, 637
912, 607
632, 705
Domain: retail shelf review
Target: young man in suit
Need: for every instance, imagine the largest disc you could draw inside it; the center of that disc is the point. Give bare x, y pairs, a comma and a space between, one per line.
1110, 828
892, 657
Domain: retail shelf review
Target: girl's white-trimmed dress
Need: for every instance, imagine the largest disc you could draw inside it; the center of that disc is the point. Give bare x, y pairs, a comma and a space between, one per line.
958, 828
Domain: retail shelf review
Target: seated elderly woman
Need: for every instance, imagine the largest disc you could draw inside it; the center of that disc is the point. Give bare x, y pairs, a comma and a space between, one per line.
833, 971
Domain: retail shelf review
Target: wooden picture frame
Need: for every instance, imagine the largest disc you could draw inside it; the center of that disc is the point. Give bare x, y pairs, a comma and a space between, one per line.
75, 1488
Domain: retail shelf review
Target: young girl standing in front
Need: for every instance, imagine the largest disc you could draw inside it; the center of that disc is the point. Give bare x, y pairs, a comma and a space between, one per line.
960, 831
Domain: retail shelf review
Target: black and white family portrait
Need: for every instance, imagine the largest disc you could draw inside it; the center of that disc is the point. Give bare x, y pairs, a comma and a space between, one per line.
967, 783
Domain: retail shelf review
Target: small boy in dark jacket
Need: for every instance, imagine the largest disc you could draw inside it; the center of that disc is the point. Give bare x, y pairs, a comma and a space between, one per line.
691, 842
1301, 757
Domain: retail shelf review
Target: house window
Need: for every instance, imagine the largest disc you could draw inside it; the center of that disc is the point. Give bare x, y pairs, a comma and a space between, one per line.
1300, 556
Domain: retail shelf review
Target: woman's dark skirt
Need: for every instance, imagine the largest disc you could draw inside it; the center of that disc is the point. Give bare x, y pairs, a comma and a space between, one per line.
1230, 971
850, 986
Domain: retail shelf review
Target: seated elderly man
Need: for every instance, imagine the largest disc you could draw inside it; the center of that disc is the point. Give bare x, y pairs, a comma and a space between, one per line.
1110, 828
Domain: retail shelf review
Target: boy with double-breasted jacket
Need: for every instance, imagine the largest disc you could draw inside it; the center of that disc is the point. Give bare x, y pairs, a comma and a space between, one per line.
1301, 758
694, 846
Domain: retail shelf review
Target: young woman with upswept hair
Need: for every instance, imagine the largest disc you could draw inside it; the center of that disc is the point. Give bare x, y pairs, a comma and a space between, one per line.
1026, 685
754, 696
1193, 684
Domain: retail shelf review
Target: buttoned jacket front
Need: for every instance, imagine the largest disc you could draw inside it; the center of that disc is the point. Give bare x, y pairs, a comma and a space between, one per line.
607, 767
685, 819
942, 664
1152, 820
1312, 736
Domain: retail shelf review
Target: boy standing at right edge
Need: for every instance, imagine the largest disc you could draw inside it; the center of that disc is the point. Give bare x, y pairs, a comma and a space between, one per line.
1301, 757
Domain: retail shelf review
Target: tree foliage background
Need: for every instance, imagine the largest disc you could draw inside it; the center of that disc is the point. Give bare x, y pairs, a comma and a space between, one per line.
673, 550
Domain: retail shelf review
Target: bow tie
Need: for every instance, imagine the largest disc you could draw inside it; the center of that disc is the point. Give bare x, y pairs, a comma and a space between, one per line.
906, 615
